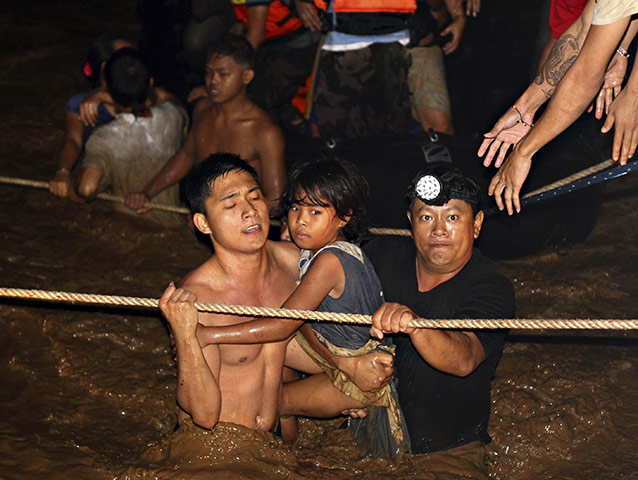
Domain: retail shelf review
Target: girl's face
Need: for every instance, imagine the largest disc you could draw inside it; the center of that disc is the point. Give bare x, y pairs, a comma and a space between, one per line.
312, 227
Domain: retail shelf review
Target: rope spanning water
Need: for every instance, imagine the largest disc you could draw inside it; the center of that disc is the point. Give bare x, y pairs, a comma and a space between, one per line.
103, 196
565, 185
270, 312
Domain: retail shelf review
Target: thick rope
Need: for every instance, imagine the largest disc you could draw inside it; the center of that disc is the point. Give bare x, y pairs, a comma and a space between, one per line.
102, 196
465, 324
375, 230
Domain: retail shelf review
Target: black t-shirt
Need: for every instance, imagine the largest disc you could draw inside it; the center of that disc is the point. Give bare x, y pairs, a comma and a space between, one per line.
443, 411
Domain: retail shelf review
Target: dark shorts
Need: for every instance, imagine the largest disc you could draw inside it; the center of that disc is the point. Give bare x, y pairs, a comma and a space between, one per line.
362, 93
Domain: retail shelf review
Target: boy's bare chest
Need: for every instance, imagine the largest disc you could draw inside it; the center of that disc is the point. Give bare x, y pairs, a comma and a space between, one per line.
216, 138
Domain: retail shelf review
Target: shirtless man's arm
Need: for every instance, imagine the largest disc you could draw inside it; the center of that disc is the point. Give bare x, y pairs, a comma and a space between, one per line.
198, 392
272, 170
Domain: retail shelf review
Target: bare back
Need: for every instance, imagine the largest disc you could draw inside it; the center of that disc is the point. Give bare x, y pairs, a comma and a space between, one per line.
249, 376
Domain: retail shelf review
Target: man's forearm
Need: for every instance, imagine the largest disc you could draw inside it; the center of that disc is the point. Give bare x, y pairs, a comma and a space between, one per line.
171, 173
457, 353
576, 88
630, 34
198, 393
560, 59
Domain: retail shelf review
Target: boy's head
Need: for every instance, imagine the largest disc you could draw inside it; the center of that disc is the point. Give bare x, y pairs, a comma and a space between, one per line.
235, 47
438, 183
127, 79
337, 182
198, 183
229, 69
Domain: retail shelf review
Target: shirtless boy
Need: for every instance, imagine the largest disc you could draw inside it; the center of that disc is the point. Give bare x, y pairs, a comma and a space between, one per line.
226, 121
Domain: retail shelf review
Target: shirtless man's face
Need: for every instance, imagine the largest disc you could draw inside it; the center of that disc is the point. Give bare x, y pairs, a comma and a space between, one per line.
225, 79
237, 214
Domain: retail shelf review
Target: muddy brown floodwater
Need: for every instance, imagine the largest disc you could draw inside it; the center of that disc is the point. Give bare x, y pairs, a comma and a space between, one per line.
86, 391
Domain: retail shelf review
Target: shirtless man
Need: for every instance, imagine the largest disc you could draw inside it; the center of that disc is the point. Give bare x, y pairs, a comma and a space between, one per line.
230, 383
235, 383
226, 121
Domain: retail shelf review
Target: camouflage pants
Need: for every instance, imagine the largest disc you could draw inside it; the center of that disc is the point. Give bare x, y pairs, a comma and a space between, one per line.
362, 93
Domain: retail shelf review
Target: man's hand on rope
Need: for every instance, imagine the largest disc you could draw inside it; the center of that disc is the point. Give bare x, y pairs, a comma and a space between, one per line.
178, 307
506, 184
507, 131
137, 201
391, 318
623, 116
60, 184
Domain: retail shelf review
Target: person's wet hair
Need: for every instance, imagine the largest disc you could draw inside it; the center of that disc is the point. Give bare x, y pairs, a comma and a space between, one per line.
127, 78
330, 181
440, 183
235, 47
198, 183
99, 52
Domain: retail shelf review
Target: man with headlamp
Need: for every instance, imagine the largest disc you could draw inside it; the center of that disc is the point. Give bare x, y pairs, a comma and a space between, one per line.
443, 375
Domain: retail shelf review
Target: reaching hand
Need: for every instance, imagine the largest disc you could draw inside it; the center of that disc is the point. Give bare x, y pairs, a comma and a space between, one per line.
611, 85
472, 8
507, 131
308, 15
506, 184
456, 30
623, 115
89, 107
60, 184
137, 201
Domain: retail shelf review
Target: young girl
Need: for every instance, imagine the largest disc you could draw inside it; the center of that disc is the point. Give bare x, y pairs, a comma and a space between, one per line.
325, 201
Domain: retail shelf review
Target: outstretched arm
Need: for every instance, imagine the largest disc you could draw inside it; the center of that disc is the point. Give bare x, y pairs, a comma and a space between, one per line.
615, 72
198, 392
272, 169
256, 29
322, 277
60, 184
573, 94
515, 122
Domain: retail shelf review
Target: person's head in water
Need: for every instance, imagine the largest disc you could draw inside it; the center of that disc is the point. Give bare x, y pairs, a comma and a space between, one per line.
445, 217
224, 195
325, 201
99, 52
128, 80
229, 68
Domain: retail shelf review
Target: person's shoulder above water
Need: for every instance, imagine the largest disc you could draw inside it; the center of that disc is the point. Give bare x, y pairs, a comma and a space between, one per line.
285, 255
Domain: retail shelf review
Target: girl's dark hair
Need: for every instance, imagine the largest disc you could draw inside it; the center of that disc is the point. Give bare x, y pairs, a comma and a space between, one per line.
198, 183
100, 51
127, 78
330, 181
